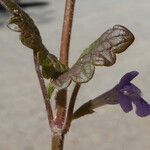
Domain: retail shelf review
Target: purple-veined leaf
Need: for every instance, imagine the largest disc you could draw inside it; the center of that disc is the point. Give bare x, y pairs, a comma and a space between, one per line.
100, 53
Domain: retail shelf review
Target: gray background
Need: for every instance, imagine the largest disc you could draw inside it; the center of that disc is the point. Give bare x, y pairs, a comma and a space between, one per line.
23, 122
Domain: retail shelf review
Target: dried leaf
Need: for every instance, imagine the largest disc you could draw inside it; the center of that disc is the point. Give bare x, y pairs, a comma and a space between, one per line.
100, 53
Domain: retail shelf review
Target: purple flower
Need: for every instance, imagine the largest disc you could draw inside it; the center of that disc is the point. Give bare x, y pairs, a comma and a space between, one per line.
128, 93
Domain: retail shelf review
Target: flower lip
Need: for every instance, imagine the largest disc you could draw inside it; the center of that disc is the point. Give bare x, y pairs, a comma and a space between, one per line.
128, 93
125, 80
131, 90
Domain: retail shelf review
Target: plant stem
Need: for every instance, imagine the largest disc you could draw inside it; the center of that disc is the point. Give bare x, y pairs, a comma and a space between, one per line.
61, 98
44, 91
66, 32
57, 141
71, 108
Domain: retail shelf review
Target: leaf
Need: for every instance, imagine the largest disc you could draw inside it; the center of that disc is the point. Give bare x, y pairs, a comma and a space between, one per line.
50, 90
100, 53
30, 37
51, 67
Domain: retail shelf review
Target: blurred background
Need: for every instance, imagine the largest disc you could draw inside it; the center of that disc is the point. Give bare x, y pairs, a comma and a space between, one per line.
23, 122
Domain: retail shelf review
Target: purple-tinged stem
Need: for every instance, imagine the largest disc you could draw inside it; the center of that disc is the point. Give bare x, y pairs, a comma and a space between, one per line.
71, 108
44, 91
61, 98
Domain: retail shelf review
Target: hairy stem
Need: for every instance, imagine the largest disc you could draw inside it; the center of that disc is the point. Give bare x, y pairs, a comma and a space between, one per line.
44, 91
66, 32
71, 108
57, 141
61, 98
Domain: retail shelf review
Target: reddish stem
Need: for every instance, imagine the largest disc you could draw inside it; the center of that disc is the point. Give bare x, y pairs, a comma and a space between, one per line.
44, 91
71, 108
61, 98
66, 32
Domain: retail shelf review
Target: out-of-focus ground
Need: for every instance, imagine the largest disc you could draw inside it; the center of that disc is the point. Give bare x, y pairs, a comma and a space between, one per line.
23, 122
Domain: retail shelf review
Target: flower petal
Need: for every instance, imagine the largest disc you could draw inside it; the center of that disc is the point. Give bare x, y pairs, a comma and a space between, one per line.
125, 80
142, 107
131, 90
125, 102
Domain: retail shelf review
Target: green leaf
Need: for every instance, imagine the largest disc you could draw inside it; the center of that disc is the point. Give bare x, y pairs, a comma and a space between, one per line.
50, 90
